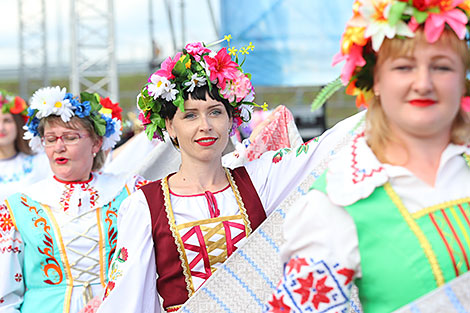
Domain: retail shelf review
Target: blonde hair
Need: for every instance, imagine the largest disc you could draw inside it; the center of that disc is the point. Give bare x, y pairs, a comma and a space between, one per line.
378, 131
76, 123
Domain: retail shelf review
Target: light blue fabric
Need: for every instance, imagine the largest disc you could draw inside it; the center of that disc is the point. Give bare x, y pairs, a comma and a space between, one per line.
295, 40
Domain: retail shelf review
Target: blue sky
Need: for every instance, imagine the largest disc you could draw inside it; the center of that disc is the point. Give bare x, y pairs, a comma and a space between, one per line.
131, 22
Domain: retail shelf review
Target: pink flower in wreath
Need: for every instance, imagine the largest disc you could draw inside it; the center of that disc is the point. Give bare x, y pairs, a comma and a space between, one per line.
145, 117
238, 88
435, 23
353, 59
221, 67
196, 49
167, 66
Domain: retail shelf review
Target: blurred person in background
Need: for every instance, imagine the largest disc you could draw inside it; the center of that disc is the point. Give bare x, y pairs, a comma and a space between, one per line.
58, 236
391, 213
19, 167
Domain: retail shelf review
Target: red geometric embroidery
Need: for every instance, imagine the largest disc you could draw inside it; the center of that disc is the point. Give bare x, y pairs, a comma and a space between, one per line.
6, 222
296, 264
66, 195
305, 285
18, 277
68, 191
356, 172
278, 305
322, 290
141, 183
347, 273
301, 290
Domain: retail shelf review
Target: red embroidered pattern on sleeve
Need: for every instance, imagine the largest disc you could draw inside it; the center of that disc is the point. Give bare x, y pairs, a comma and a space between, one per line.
8, 242
141, 183
6, 222
312, 286
115, 270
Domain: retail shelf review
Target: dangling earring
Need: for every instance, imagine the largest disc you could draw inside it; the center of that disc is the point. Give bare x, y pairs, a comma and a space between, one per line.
174, 141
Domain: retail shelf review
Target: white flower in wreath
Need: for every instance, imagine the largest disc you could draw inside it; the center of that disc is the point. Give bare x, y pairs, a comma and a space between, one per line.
157, 86
34, 141
207, 70
195, 81
169, 92
45, 100
111, 141
376, 14
64, 109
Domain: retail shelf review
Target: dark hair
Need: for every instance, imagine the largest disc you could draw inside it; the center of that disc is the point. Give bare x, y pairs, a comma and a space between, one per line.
168, 110
77, 124
21, 145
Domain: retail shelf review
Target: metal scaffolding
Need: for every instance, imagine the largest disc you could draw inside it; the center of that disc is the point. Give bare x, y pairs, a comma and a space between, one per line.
32, 45
93, 57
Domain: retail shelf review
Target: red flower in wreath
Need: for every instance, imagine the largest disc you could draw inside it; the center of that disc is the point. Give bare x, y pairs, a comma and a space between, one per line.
114, 107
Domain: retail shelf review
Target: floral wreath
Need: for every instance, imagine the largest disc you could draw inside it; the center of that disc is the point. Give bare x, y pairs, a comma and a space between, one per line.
12, 104
197, 66
104, 114
372, 21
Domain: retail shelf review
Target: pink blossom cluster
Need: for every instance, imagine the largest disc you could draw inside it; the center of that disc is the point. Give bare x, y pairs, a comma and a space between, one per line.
196, 49
238, 88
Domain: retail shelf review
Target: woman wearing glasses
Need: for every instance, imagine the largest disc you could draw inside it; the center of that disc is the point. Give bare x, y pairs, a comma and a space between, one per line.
59, 235
19, 167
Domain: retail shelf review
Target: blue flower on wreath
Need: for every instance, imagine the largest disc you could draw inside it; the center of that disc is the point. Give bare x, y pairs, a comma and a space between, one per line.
33, 126
69, 96
31, 111
81, 109
109, 125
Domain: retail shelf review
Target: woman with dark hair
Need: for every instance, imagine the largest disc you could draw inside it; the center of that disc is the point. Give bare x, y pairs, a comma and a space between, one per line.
58, 235
19, 167
391, 213
183, 227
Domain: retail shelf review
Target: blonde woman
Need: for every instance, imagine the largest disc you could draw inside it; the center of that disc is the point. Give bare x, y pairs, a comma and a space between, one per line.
391, 213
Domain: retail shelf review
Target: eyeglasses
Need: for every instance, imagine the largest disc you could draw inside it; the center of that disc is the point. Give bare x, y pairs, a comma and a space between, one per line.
67, 139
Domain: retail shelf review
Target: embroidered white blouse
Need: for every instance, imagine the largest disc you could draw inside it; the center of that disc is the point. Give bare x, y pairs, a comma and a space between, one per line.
274, 176
17, 173
74, 207
332, 236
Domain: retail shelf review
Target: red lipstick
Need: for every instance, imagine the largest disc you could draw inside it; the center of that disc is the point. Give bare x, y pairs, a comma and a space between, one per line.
206, 141
422, 102
61, 161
